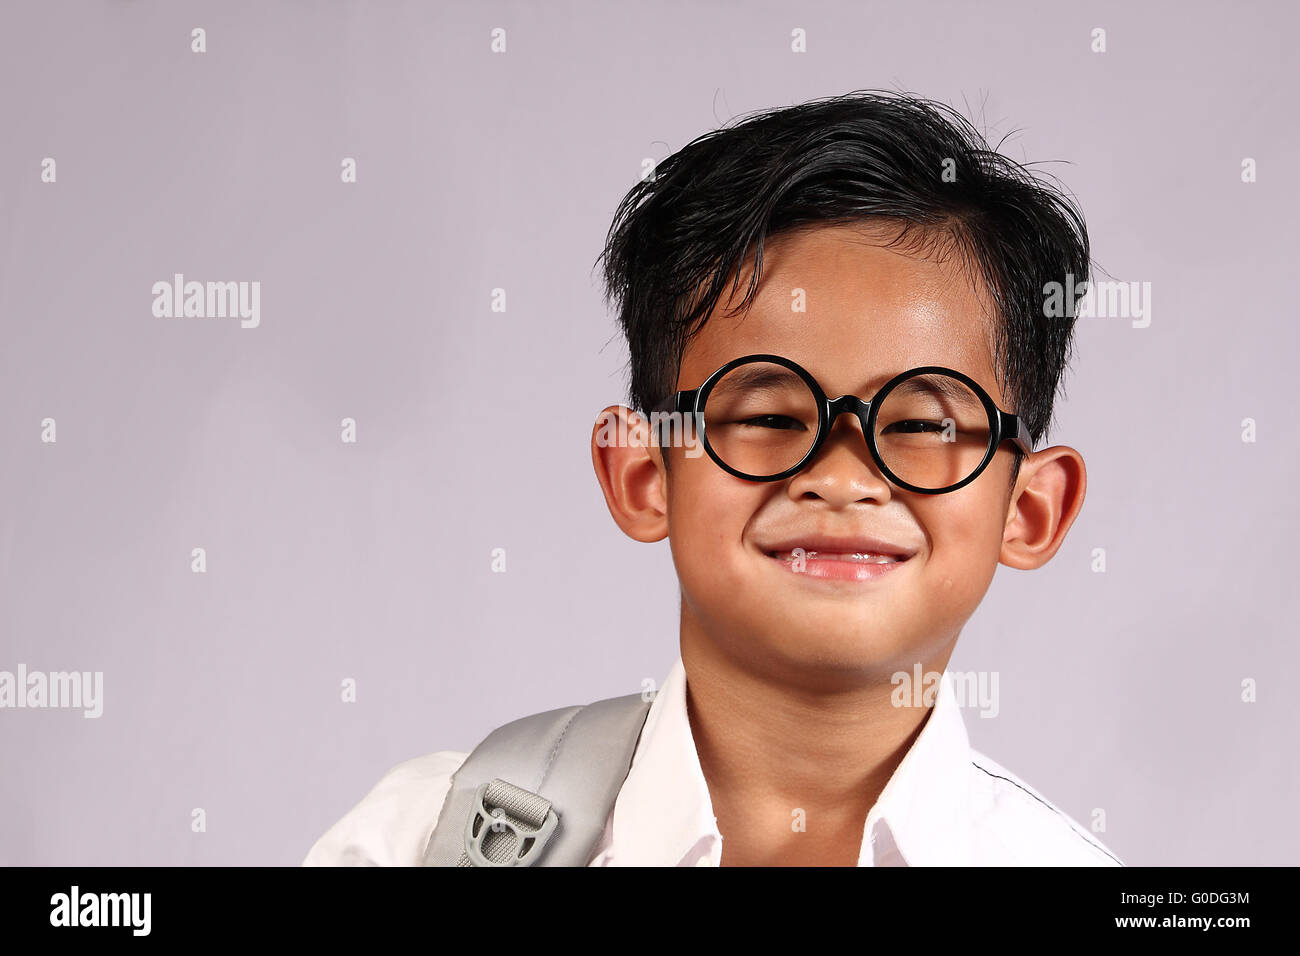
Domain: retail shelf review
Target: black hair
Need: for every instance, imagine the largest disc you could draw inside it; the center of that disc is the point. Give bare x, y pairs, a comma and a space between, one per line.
894, 158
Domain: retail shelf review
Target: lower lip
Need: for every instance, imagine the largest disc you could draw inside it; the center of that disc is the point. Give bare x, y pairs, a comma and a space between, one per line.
838, 570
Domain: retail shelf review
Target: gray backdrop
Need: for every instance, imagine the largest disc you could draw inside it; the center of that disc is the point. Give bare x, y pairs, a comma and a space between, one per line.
329, 561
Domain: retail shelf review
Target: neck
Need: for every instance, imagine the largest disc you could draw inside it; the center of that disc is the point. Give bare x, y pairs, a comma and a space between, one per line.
774, 745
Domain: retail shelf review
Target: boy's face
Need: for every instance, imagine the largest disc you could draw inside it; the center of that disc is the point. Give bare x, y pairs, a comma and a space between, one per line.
870, 314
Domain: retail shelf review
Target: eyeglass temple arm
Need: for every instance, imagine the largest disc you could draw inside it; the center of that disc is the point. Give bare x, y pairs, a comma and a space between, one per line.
677, 402
1012, 427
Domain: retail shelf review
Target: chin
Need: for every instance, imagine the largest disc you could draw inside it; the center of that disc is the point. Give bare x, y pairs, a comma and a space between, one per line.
814, 646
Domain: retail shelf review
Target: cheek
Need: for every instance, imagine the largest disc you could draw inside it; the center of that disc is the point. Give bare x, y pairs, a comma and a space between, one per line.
707, 517
965, 540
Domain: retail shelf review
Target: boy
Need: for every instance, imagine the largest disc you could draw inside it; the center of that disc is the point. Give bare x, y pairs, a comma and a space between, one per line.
887, 254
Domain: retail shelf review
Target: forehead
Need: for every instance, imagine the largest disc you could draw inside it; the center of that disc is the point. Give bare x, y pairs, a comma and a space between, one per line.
852, 313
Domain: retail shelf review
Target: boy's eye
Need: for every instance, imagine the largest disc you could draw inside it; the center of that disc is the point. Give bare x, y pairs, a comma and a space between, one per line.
772, 421
911, 426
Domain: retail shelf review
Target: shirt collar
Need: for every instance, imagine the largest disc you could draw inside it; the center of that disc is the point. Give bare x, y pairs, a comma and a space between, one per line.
663, 810
924, 811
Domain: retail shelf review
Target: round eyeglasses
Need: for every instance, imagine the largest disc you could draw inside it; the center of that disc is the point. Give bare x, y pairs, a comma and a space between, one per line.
930, 429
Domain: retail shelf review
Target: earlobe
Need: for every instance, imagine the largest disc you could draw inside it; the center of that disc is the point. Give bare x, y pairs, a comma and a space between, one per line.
1048, 497
631, 473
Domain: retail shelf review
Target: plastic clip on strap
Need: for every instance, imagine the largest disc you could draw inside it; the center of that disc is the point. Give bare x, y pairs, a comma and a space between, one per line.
509, 826
577, 757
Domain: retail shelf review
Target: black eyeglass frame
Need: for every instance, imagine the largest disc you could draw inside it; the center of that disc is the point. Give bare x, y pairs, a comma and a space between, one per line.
1003, 426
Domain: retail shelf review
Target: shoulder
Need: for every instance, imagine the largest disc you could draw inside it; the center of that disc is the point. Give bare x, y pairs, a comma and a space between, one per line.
1015, 825
392, 823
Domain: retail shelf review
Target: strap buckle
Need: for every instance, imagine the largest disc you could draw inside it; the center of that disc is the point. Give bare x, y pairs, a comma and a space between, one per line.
508, 825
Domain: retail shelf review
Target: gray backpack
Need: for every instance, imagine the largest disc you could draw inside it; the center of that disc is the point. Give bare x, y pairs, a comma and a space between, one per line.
537, 791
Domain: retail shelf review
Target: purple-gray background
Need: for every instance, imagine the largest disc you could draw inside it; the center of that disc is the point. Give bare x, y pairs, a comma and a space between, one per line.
372, 561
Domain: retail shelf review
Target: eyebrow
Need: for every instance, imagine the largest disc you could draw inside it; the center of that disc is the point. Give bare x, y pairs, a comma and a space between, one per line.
761, 377
944, 384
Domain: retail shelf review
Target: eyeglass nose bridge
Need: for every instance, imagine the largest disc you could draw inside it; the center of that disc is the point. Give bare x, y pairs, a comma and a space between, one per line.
852, 405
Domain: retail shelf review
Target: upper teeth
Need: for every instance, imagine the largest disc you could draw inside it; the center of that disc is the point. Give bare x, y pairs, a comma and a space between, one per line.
839, 556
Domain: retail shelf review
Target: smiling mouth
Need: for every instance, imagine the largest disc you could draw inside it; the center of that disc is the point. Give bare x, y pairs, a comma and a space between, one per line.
838, 565
860, 557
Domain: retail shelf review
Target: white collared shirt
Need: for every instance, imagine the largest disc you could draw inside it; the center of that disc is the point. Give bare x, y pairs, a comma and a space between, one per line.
945, 805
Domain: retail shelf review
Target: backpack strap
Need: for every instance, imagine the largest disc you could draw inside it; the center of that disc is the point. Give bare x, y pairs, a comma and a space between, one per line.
538, 790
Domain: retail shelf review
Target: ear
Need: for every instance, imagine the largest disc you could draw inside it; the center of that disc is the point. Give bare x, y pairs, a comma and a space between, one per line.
1047, 498
629, 467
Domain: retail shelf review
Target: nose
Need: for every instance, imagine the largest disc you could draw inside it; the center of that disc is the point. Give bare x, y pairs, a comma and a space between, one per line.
843, 471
